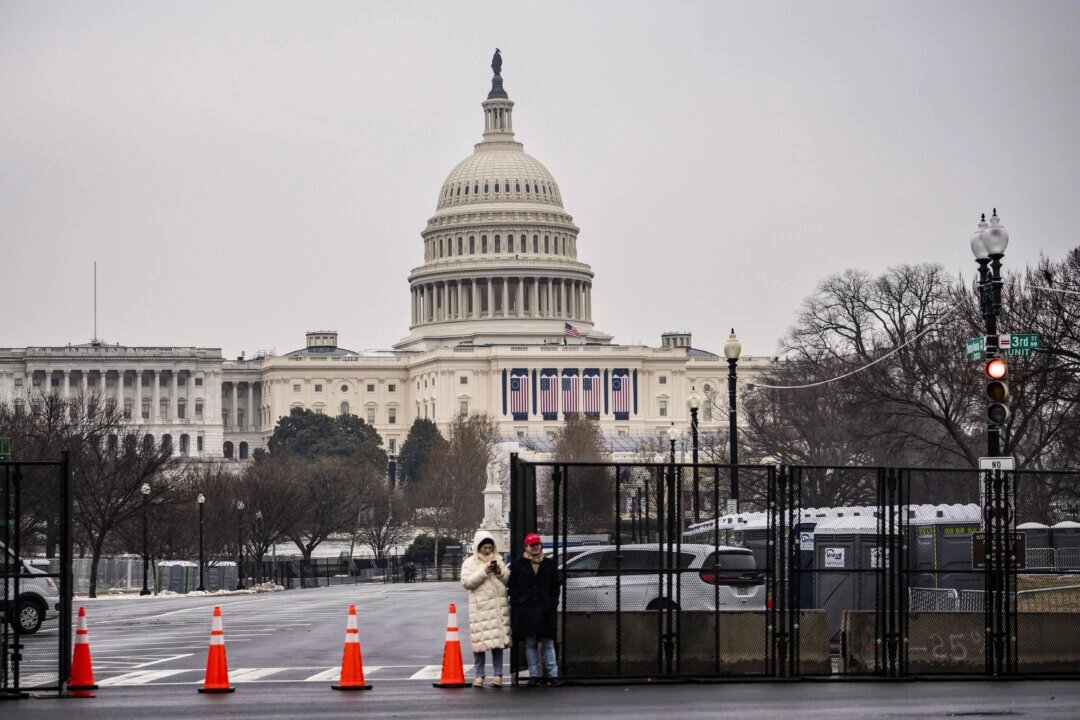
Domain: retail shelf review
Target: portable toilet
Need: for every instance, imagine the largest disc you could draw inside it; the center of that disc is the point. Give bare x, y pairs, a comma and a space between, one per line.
846, 560
752, 532
940, 553
1040, 551
1066, 537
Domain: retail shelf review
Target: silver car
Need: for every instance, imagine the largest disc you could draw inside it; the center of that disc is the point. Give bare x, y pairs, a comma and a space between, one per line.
702, 577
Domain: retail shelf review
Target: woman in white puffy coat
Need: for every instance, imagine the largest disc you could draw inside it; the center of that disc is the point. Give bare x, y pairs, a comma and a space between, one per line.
484, 574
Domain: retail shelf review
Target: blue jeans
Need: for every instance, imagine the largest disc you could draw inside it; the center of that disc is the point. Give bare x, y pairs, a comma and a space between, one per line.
547, 646
496, 662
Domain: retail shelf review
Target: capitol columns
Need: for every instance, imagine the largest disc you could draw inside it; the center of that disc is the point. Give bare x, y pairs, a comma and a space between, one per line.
520, 309
155, 393
174, 392
136, 409
250, 407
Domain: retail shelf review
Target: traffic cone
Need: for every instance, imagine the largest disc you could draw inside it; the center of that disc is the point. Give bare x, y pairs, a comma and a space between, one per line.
453, 672
352, 665
217, 667
82, 670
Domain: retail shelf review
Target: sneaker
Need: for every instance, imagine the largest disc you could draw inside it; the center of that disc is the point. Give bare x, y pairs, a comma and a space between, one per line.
496, 682
478, 681
533, 682
554, 682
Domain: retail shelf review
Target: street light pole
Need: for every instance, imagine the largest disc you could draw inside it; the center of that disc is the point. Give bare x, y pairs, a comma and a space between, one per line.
145, 490
201, 500
694, 403
732, 350
239, 544
988, 245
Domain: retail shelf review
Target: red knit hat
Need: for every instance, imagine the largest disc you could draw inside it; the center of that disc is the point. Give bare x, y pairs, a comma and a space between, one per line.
531, 539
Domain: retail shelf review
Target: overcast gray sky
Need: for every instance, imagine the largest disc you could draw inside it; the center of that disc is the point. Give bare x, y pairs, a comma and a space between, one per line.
245, 171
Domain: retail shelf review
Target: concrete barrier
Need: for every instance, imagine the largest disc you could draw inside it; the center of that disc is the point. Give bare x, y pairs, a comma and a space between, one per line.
952, 642
593, 644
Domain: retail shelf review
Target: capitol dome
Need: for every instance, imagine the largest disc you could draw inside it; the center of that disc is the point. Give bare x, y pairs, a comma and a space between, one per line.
493, 175
500, 252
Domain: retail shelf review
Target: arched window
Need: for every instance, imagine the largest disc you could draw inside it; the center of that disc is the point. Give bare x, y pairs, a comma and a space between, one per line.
517, 186
536, 243
485, 188
476, 189
496, 187
344, 408
460, 246
483, 244
498, 244
472, 244
509, 243
227, 449
527, 190
166, 443
243, 451
185, 445
547, 244
466, 190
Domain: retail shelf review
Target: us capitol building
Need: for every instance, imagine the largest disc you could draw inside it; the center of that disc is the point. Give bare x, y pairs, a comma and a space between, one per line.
501, 323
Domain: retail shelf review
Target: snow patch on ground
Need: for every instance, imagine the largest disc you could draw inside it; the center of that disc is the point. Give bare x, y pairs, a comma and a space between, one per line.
253, 590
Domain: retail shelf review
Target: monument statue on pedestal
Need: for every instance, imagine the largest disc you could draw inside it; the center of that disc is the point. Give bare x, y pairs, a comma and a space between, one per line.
494, 518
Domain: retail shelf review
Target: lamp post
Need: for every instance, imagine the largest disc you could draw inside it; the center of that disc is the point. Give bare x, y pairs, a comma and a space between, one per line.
732, 349
694, 403
201, 500
256, 533
239, 544
988, 245
145, 490
672, 435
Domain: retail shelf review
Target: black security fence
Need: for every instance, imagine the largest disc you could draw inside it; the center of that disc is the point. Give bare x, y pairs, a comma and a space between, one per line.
35, 519
811, 571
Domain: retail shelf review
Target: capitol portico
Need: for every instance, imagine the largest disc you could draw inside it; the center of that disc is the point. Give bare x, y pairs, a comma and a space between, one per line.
501, 323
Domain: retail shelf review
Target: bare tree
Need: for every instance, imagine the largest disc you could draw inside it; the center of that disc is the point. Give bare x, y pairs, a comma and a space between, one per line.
590, 489
385, 522
450, 490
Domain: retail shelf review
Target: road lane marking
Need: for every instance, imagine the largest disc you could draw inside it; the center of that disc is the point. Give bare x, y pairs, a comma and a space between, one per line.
428, 672
141, 677
250, 674
334, 673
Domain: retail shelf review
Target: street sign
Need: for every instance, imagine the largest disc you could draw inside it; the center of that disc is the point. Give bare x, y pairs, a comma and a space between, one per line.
1017, 550
1006, 464
1012, 345
1021, 344
732, 506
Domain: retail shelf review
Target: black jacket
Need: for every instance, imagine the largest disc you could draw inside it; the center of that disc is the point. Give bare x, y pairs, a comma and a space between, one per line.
534, 598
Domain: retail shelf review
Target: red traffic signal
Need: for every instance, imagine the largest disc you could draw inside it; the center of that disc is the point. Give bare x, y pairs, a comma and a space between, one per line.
996, 369
997, 391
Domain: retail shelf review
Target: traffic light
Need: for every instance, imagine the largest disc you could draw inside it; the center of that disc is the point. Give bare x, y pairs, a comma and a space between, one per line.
997, 391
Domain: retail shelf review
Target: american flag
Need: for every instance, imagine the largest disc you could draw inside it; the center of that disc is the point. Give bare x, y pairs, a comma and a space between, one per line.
620, 393
570, 387
549, 394
592, 391
570, 330
519, 395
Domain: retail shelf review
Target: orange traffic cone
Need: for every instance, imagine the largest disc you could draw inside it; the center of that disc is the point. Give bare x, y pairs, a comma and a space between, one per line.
453, 672
82, 670
217, 667
352, 665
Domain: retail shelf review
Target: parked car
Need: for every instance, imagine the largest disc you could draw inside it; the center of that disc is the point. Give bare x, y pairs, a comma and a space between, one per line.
38, 600
702, 577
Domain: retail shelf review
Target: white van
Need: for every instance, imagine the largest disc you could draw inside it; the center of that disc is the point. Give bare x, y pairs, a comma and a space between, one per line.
39, 599
704, 578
